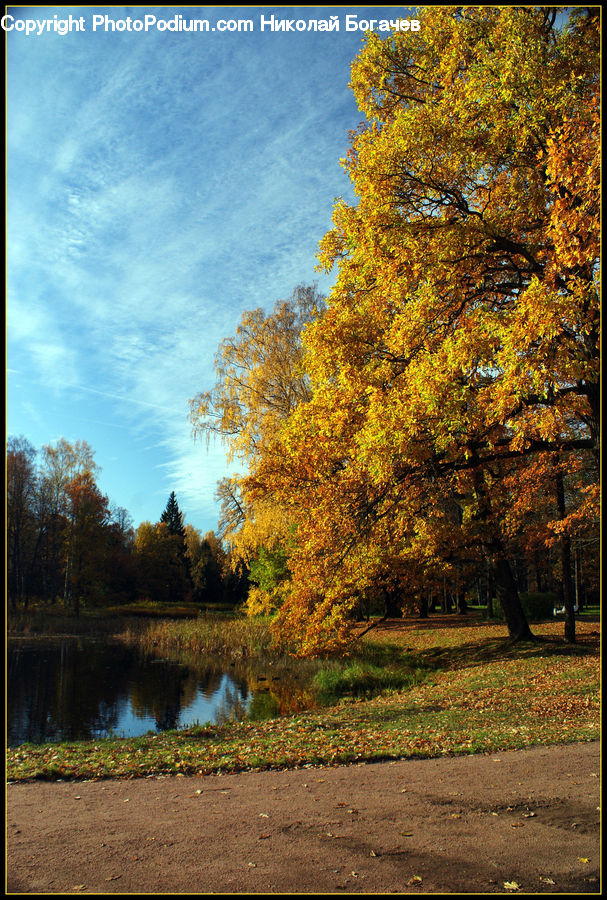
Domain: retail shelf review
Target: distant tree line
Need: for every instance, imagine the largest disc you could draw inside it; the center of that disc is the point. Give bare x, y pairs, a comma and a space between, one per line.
67, 544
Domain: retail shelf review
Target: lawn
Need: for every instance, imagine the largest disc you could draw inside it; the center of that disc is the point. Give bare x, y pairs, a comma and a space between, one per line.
477, 693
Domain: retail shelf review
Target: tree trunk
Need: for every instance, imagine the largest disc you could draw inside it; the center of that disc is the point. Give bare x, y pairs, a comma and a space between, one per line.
538, 576
424, 605
393, 605
577, 559
66, 586
445, 604
568, 590
490, 591
507, 594
460, 596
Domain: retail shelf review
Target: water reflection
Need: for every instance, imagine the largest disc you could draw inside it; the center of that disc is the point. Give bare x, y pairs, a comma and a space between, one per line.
79, 689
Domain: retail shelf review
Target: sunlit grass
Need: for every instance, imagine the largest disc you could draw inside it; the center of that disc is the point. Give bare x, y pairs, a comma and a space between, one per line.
213, 635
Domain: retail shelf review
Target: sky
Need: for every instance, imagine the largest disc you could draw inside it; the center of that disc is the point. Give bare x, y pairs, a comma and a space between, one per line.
159, 183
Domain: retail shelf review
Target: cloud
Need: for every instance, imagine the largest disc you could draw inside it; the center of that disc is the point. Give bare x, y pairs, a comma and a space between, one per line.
157, 187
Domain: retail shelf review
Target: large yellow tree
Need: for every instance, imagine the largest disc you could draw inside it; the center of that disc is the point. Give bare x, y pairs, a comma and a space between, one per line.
461, 340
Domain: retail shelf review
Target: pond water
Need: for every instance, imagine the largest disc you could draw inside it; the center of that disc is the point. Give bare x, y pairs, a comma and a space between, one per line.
82, 689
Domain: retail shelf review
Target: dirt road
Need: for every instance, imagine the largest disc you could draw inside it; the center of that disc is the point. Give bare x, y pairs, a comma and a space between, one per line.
458, 825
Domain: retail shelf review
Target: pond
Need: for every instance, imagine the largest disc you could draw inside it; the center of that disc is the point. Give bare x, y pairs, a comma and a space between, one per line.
64, 689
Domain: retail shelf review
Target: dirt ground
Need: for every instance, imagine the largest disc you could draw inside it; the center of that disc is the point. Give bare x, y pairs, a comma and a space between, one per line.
525, 821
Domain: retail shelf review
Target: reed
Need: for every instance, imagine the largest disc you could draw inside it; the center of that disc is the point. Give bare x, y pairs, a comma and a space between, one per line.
233, 638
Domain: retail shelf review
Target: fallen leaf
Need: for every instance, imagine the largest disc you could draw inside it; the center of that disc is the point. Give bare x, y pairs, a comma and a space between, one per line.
415, 880
518, 824
511, 885
264, 816
546, 880
583, 859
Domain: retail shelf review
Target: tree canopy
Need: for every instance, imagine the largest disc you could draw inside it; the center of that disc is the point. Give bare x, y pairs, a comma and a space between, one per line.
456, 366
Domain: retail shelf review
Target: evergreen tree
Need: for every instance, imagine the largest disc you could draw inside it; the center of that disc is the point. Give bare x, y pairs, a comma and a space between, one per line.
173, 517
179, 568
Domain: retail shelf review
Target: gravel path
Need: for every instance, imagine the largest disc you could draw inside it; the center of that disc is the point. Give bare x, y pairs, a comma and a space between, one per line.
475, 824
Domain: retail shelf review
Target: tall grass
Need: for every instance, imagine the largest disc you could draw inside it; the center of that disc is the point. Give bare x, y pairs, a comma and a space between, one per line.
237, 638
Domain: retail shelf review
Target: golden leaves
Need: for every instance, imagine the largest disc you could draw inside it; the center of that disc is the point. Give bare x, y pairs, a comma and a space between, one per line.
460, 342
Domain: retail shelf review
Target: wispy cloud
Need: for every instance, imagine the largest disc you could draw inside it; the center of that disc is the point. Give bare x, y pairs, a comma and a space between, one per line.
157, 187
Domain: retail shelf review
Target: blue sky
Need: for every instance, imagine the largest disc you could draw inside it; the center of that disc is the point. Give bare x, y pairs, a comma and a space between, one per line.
158, 184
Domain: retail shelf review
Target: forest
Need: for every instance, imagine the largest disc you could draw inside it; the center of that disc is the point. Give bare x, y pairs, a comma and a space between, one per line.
69, 547
428, 434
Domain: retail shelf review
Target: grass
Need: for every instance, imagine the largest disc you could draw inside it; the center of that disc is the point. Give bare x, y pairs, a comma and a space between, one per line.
377, 668
468, 691
213, 635
54, 619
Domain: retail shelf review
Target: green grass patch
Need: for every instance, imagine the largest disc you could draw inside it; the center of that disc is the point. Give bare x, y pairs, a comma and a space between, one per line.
372, 667
357, 679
